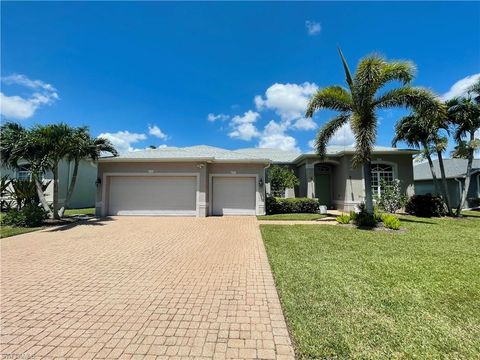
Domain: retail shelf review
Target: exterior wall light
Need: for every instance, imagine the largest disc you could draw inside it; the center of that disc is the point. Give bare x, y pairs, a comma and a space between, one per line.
260, 182
98, 181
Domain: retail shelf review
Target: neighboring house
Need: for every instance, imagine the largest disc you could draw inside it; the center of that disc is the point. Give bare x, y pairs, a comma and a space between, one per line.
204, 180
84, 194
455, 173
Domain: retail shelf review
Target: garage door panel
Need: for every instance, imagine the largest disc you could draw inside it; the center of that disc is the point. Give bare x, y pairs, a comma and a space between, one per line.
152, 195
233, 195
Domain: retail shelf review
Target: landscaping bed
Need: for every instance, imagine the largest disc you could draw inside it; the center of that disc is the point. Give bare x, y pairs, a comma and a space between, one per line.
294, 216
350, 293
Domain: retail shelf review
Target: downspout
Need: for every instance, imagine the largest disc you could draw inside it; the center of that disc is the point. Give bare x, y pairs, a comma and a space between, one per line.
459, 189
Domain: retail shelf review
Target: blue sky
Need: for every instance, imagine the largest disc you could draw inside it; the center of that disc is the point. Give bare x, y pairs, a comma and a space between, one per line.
151, 73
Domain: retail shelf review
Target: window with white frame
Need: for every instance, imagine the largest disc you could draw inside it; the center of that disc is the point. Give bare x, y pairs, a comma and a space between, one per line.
381, 172
24, 172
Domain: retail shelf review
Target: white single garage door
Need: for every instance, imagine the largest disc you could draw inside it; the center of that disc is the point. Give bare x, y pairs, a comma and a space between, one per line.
233, 195
152, 195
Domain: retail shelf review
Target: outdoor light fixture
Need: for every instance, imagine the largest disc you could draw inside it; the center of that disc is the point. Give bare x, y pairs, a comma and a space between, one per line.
260, 182
98, 181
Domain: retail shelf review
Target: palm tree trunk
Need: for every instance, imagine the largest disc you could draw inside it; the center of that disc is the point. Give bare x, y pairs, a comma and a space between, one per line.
41, 195
71, 187
468, 175
444, 183
55, 192
434, 175
367, 179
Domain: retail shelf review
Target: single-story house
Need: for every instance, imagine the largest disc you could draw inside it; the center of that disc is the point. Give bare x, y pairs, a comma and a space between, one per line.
204, 180
85, 190
455, 170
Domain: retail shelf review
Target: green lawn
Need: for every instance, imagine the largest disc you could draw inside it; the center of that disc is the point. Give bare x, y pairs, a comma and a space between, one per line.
359, 294
85, 211
308, 217
6, 231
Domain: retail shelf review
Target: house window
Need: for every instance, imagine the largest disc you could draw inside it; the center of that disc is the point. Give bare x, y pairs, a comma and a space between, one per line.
24, 173
381, 172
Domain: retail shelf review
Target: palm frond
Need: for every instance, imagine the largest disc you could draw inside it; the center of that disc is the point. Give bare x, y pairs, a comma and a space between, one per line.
333, 97
403, 71
327, 131
348, 74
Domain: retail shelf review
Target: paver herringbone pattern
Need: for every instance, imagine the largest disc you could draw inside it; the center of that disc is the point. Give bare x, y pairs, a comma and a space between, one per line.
142, 287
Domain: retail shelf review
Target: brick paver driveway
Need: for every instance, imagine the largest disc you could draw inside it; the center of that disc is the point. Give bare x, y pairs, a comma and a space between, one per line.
142, 287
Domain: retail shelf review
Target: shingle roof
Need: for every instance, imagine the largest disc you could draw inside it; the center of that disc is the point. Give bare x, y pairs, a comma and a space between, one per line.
453, 168
211, 153
275, 155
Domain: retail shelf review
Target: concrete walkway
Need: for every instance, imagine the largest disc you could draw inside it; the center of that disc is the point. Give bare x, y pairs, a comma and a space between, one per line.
141, 287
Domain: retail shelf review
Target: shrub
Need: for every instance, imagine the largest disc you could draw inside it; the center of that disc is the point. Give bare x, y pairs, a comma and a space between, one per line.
391, 198
391, 221
474, 202
291, 205
425, 206
281, 178
29, 216
363, 218
353, 215
343, 219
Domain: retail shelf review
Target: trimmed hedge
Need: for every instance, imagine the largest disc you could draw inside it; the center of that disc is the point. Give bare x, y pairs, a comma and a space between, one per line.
426, 206
291, 205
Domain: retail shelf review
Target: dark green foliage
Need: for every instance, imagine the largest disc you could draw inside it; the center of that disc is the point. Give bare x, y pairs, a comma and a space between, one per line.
425, 206
281, 178
291, 205
390, 221
365, 219
474, 202
29, 216
343, 219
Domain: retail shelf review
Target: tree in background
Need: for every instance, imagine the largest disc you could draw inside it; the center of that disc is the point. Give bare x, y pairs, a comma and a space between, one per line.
358, 104
414, 132
84, 147
281, 178
43, 147
464, 114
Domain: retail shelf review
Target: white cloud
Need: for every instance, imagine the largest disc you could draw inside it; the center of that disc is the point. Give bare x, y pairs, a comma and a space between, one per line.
212, 117
305, 124
274, 137
155, 131
460, 87
17, 107
243, 126
313, 27
343, 137
123, 140
289, 101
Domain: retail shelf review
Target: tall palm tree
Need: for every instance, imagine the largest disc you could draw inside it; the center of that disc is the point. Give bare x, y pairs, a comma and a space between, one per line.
359, 103
55, 141
464, 113
424, 129
16, 144
415, 133
84, 147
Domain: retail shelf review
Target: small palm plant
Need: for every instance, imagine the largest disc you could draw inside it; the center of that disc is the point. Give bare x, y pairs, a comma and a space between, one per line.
359, 102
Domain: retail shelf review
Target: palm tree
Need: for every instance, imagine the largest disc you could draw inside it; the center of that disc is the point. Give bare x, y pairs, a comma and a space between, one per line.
359, 103
465, 115
421, 130
415, 133
17, 143
84, 147
55, 141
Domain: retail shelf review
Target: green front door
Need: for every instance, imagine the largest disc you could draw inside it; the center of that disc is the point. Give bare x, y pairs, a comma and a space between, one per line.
323, 188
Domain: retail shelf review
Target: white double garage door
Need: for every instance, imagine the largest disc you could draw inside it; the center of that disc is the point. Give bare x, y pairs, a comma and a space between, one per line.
178, 195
